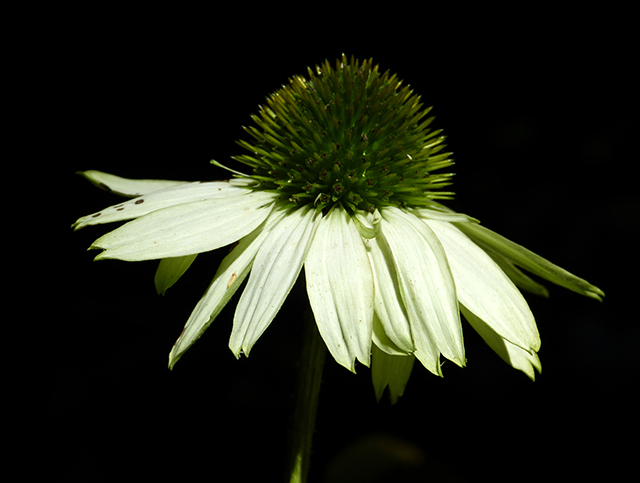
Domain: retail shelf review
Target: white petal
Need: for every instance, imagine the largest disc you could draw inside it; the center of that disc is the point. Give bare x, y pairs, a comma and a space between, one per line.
158, 200
125, 186
230, 274
525, 361
390, 371
444, 215
389, 307
427, 288
187, 228
170, 270
275, 270
340, 288
484, 289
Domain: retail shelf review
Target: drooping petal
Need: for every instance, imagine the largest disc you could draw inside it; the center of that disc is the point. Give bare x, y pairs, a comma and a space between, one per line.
528, 260
125, 186
340, 288
485, 290
230, 274
389, 307
390, 371
170, 270
158, 200
427, 288
523, 360
275, 270
187, 228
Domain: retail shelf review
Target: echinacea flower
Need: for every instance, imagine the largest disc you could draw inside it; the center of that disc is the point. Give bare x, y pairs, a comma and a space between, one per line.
345, 179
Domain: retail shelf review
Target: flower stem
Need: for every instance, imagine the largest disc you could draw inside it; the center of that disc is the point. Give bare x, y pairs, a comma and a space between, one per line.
309, 380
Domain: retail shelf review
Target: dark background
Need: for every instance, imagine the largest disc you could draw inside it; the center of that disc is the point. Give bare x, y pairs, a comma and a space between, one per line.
539, 111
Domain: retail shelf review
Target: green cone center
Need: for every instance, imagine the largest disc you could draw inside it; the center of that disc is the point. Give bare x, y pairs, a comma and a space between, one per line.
347, 134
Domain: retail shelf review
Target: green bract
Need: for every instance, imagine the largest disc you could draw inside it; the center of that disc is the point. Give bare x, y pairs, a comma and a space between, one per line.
348, 135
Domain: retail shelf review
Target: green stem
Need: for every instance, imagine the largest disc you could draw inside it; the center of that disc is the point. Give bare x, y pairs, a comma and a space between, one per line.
309, 379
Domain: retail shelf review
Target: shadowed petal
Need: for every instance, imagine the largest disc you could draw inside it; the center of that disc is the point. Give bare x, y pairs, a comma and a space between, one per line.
379, 337
523, 360
170, 270
522, 280
390, 371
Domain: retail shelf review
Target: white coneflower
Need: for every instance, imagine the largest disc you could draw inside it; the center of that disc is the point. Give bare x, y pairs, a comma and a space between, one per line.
345, 179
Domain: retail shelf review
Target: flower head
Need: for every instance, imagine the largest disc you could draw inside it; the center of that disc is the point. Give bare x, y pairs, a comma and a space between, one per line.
345, 177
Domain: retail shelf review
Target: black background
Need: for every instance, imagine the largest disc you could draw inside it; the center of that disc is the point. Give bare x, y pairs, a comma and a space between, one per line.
539, 111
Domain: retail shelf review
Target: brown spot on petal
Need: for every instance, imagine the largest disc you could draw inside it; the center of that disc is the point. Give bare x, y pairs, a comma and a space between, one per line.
232, 279
96, 215
139, 201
